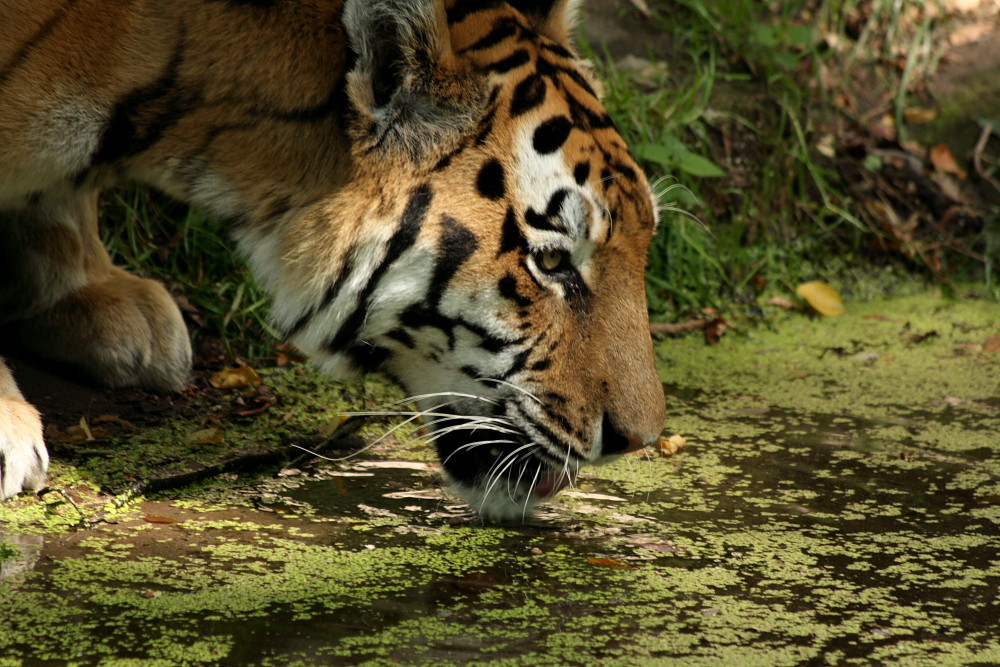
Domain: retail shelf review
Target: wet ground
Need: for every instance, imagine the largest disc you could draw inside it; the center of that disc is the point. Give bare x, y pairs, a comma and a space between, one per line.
838, 502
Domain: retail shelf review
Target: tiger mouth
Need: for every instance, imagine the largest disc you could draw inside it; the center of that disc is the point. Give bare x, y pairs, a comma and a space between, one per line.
501, 465
551, 483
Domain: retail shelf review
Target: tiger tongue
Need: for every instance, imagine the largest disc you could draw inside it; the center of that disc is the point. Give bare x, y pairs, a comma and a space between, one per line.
551, 482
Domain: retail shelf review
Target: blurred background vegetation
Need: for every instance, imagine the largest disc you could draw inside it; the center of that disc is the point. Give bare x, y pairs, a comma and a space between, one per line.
851, 141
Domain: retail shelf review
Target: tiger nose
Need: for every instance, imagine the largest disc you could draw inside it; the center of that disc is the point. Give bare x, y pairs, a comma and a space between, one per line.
614, 441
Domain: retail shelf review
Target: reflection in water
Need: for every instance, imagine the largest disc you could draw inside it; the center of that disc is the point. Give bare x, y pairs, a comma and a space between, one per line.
29, 548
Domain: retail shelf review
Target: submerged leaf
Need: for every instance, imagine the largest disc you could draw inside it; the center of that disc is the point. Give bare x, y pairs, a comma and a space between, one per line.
823, 298
613, 563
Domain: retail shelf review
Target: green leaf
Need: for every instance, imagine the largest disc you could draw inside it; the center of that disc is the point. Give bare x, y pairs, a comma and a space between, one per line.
696, 165
800, 35
661, 154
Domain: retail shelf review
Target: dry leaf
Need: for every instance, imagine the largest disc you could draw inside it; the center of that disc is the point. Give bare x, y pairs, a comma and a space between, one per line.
288, 353
262, 403
919, 115
86, 429
714, 330
992, 344
944, 161
642, 7
823, 298
235, 378
826, 146
672, 445
156, 518
782, 302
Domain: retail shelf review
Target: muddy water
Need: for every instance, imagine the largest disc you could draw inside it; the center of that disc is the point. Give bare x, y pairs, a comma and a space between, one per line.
838, 502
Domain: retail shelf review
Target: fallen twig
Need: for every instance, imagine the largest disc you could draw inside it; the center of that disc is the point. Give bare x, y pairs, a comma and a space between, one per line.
977, 157
677, 329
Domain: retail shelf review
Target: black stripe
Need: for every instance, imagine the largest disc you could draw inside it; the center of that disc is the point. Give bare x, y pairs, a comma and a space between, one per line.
556, 201
528, 94
331, 294
538, 8
446, 160
42, 33
504, 28
142, 117
402, 336
552, 70
551, 437
490, 180
541, 365
404, 237
418, 316
457, 245
513, 61
543, 222
486, 126
368, 358
559, 50
332, 105
519, 363
511, 237
562, 421
466, 7
551, 135
508, 290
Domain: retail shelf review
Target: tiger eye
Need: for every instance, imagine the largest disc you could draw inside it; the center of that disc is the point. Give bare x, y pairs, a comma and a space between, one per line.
552, 259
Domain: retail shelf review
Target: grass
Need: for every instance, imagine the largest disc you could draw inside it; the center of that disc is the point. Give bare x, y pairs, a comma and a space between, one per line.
155, 237
730, 128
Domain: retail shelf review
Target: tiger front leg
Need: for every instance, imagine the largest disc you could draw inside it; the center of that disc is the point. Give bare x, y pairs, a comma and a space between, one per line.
23, 459
71, 305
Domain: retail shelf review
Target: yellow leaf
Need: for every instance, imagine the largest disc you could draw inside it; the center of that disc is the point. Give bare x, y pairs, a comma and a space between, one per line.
205, 436
823, 298
235, 378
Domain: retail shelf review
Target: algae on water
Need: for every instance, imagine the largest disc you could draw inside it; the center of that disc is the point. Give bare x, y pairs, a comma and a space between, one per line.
837, 503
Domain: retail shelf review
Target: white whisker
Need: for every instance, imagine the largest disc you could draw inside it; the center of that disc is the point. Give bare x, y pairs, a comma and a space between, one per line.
512, 386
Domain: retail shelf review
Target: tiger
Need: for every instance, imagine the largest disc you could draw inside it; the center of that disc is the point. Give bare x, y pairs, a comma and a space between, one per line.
430, 189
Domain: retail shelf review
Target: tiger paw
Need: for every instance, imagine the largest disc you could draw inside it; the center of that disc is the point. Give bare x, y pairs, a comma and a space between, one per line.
124, 331
23, 459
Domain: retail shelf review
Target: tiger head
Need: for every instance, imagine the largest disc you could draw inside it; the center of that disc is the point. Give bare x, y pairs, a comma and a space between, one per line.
488, 252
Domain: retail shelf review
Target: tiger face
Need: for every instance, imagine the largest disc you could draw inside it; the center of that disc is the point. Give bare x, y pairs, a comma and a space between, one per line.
429, 188
510, 227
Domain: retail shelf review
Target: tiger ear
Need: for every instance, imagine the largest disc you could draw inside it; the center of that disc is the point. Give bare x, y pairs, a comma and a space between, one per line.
408, 90
556, 19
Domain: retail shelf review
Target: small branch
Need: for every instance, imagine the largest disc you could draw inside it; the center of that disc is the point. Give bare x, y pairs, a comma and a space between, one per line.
977, 157
678, 329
